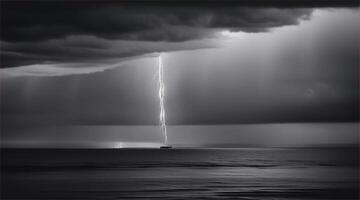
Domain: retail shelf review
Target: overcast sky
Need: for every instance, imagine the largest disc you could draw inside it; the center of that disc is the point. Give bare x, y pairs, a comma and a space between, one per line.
66, 64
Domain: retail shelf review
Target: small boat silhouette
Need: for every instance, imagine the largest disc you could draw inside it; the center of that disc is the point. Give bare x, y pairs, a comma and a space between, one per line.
165, 147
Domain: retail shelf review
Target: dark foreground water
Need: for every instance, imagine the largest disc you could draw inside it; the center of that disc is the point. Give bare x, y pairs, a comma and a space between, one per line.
252, 173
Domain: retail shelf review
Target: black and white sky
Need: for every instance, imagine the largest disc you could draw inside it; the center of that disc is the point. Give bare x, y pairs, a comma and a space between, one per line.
227, 64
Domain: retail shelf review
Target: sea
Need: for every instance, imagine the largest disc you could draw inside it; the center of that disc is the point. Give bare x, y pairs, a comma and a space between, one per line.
181, 173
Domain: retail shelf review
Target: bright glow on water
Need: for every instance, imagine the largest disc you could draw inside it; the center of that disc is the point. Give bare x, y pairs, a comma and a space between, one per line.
162, 98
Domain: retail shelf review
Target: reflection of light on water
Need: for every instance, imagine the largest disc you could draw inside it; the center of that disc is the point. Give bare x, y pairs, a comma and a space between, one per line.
119, 145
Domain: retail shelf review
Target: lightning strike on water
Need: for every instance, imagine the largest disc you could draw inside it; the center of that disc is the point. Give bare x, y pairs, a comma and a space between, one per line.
162, 98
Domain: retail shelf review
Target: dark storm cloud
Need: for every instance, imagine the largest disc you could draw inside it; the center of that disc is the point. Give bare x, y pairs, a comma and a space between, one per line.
155, 23
38, 32
35, 32
87, 48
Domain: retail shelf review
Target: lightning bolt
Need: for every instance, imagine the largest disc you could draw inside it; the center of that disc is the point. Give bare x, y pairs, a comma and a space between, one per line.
162, 98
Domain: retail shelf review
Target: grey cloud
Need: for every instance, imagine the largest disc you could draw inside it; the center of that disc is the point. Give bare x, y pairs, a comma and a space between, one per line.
69, 32
82, 54
153, 23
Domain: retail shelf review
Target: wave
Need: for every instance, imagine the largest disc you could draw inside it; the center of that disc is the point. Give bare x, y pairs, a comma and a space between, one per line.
140, 165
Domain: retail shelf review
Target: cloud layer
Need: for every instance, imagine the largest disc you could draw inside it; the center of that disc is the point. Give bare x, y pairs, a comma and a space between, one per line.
154, 23
63, 32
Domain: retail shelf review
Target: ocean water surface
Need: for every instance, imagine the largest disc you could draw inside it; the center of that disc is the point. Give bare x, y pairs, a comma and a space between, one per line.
237, 173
